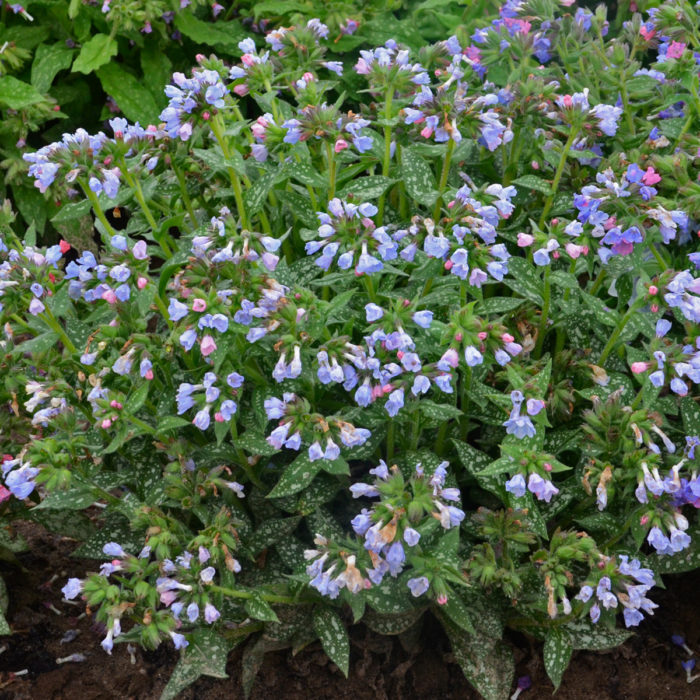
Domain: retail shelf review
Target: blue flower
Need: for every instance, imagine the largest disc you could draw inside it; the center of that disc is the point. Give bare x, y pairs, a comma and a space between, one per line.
516, 485
423, 318
395, 402
418, 586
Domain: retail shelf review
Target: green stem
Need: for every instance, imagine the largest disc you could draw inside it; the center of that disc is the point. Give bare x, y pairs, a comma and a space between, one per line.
386, 166
466, 385
367, 279
331, 170
246, 595
55, 326
94, 201
657, 254
185, 197
390, 441
616, 333
557, 176
544, 317
218, 131
443, 178
560, 331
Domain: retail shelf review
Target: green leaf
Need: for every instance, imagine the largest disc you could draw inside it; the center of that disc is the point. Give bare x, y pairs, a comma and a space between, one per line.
296, 476
131, 94
255, 196
391, 624
364, 188
171, 423
557, 654
438, 411
71, 211
39, 344
523, 280
585, 635
73, 499
498, 305
256, 444
532, 182
49, 60
137, 398
95, 53
206, 655
272, 531
334, 637
487, 663
17, 95
260, 609
418, 177
221, 35
458, 612
307, 174
4, 626
690, 412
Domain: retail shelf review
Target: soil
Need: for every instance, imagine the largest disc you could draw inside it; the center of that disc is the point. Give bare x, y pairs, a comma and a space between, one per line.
647, 666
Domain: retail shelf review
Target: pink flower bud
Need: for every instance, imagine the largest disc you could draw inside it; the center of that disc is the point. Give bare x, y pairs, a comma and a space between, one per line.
400, 354
555, 221
448, 264
450, 205
340, 145
106, 423
556, 254
525, 240
207, 346
639, 367
116, 404
199, 305
426, 132
654, 308
644, 520
547, 467
110, 297
653, 290
241, 89
248, 59
200, 57
141, 282
149, 374
535, 165
309, 77
218, 417
459, 337
482, 336
206, 116
507, 338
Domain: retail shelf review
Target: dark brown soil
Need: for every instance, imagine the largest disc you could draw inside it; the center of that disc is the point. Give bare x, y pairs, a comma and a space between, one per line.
647, 666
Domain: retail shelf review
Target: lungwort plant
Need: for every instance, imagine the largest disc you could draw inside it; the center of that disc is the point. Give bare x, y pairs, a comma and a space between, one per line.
406, 333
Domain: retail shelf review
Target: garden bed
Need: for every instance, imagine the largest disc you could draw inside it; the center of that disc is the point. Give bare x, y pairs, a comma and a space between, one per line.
647, 666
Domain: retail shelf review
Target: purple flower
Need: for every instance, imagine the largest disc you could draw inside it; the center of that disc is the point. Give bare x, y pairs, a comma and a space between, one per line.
418, 586
395, 402
395, 558
516, 485
373, 312
411, 536
543, 489
423, 318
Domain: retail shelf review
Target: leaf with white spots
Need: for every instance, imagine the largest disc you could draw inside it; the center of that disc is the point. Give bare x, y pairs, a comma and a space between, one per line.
299, 474
334, 637
557, 654
418, 178
259, 609
486, 662
206, 655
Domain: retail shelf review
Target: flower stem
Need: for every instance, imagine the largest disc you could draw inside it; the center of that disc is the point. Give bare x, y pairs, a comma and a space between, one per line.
544, 316
218, 131
95, 202
557, 176
443, 178
386, 166
331, 170
609, 347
